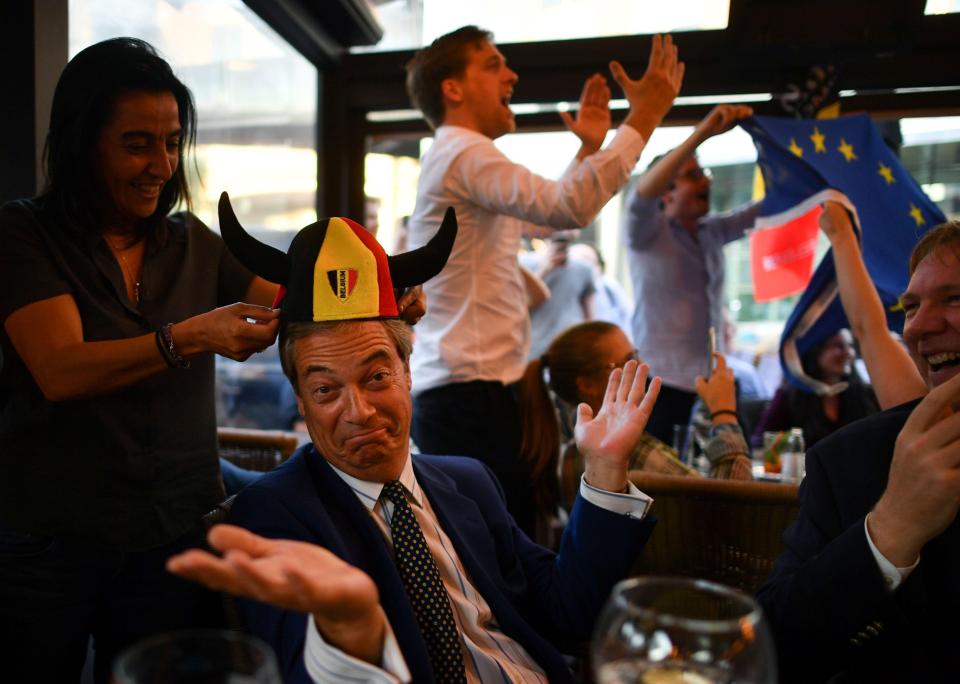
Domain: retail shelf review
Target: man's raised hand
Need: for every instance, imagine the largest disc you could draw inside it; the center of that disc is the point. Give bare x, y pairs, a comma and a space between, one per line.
593, 117
652, 95
607, 440
923, 491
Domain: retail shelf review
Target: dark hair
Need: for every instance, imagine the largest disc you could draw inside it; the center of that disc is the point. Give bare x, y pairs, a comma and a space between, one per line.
806, 408
398, 332
944, 235
443, 58
82, 105
572, 353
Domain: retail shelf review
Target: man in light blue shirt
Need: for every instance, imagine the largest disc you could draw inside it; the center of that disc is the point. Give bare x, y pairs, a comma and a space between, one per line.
676, 265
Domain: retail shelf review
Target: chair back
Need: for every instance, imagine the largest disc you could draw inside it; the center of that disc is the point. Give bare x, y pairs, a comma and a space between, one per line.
260, 450
722, 530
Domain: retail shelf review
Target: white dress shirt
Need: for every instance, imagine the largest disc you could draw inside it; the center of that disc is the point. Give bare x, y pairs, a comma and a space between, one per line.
476, 326
489, 654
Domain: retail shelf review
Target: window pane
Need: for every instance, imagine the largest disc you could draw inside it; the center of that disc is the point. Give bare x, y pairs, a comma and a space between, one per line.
256, 101
413, 23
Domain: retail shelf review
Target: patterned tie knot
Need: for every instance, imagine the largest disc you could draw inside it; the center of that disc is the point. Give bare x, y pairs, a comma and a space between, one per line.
394, 491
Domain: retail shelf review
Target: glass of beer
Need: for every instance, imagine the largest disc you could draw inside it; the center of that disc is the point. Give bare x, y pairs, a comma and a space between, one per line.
674, 630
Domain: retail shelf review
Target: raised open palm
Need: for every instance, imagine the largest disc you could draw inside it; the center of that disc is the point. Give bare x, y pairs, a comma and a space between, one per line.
607, 440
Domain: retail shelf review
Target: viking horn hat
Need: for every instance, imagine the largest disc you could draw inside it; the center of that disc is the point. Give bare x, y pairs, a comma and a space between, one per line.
335, 269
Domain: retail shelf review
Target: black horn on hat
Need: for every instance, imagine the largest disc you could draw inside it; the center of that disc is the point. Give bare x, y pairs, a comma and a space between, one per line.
267, 262
419, 265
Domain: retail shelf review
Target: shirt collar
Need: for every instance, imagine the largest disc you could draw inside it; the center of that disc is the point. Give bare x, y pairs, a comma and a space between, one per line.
369, 492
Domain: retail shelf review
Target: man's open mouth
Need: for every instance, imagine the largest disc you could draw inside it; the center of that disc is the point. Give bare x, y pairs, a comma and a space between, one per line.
943, 360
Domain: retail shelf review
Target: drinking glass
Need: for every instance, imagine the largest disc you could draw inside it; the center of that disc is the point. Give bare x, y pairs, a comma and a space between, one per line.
672, 630
683, 436
202, 656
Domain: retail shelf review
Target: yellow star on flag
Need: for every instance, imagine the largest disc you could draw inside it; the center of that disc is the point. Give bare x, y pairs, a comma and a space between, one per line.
917, 214
818, 139
887, 173
795, 148
846, 149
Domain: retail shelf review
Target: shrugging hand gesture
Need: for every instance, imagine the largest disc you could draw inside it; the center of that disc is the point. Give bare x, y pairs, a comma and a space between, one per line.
342, 599
607, 440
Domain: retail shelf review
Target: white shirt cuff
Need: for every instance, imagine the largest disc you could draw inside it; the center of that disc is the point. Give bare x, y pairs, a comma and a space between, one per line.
633, 503
326, 663
893, 576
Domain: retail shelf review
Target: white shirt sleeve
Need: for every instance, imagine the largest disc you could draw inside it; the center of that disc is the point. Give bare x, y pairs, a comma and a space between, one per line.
893, 576
633, 503
483, 175
326, 663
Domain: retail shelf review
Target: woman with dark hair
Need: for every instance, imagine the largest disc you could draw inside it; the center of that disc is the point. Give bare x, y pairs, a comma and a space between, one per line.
830, 361
578, 363
112, 309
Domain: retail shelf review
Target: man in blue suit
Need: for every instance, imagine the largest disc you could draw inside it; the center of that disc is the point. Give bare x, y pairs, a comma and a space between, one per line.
868, 585
321, 544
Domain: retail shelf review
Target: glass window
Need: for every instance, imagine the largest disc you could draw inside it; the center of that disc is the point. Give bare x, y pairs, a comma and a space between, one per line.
414, 23
942, 7
256, 101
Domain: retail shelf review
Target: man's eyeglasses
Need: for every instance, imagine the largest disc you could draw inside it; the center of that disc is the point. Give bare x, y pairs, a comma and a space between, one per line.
634, 355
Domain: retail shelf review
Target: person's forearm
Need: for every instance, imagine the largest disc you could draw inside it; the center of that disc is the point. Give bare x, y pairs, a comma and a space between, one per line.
893, 374
89, 369
495, 183
657, 179
858, 295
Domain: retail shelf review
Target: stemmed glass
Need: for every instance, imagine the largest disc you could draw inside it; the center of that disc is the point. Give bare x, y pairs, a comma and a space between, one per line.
201, 656
669, 630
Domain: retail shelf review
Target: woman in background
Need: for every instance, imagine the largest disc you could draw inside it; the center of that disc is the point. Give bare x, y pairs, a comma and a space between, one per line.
830, 361
579, 362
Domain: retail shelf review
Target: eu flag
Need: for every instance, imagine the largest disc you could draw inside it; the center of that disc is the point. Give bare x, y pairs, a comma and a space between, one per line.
805, 162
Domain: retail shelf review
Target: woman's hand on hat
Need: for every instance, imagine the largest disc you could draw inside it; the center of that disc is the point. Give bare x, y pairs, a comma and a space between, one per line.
236, 331
412, 305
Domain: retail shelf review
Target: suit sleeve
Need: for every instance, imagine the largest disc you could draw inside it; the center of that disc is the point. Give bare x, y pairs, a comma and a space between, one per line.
825, 587
567, 590
284, 630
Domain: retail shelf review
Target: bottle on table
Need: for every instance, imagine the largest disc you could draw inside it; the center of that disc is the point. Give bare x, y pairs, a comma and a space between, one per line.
793, 457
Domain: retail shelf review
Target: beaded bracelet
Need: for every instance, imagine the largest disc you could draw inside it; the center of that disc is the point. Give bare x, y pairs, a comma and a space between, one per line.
168, 350
723, 412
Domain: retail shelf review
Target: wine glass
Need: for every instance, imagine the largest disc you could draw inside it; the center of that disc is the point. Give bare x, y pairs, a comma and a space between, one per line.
675, 630
197, 656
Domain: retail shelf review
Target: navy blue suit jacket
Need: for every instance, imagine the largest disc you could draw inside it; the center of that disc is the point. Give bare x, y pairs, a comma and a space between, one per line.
831, 614
540, 599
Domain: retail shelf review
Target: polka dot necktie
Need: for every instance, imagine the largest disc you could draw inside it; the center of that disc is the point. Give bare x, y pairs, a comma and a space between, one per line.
421, 579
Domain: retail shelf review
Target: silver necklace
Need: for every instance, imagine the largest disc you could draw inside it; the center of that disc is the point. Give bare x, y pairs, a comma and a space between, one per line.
127, 271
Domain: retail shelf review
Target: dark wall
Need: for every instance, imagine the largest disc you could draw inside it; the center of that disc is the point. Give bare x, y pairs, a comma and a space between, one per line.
18, 166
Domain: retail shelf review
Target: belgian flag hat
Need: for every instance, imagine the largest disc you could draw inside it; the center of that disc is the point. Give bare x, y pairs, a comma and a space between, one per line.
335, 270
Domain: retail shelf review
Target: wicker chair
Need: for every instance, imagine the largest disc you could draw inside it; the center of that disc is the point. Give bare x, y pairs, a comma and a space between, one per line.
260, 450
721, 530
